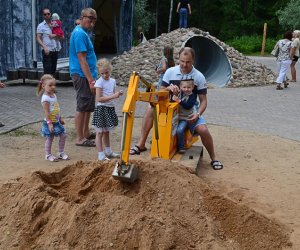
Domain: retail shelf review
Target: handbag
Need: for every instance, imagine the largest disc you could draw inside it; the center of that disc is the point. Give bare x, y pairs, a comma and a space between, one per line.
275, 51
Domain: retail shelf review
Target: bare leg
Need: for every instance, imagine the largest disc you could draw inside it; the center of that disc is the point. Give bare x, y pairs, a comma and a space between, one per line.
106, 139
79, 120
207, 140
98, 142
293, 71
146, 127
86, 123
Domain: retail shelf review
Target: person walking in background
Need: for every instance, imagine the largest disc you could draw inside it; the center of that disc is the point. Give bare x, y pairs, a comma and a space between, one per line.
49, 43
53, 123
284, 59
166, 62
183, 8
295, 51
141, 35
56, 26
83, 72
105, 118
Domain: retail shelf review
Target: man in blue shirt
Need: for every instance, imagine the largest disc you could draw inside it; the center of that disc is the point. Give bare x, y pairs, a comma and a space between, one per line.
83, 72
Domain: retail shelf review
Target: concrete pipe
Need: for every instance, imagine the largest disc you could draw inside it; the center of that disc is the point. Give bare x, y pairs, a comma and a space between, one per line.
211, 60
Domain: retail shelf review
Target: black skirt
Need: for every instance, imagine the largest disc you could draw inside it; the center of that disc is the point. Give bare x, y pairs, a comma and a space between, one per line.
104, 119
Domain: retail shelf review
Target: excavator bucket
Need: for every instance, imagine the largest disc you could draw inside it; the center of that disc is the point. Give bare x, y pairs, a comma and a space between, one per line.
125, 173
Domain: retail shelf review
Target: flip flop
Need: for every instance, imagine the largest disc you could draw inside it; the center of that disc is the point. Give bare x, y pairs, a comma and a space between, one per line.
92, 136
136, 150
216, 165
86, 143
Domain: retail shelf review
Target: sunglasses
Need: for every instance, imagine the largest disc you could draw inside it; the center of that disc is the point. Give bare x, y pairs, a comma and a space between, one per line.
47, 14
92, 18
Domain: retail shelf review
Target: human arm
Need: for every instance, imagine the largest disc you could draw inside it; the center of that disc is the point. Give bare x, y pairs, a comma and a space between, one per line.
178, 7
46, 108
203, 104
40, 42
163, 67
190, 9
101, 98
86, 70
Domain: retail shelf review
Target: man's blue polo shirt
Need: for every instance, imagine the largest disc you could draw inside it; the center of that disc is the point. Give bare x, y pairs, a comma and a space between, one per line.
81, 42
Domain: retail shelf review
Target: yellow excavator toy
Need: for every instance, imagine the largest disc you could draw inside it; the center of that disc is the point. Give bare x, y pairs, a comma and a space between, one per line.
164, 139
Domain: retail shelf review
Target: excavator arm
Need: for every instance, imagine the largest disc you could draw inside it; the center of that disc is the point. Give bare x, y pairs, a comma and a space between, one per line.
124, 170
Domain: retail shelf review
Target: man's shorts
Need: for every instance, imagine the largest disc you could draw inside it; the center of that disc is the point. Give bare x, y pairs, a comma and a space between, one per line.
192, 127
84, 97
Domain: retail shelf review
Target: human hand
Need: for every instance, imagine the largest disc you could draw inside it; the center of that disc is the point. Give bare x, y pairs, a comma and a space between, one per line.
52, 36
50, 125
118, 93
173, 88
2, 85
62, 122
46, 50
175, 98
193, 118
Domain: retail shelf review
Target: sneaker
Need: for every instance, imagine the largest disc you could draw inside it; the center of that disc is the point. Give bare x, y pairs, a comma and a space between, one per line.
181, 151
104, 159
51, 158
63, 156
113, 155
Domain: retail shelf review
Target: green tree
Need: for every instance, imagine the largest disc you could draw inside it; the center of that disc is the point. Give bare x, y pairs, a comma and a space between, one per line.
142, 16
289, 16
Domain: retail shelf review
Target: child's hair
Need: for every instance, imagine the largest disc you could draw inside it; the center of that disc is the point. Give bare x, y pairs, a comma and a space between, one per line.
55, 17
168, 53
42, 81
104, 64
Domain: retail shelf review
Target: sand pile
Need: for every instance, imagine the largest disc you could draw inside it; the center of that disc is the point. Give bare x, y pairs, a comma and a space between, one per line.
144, 57
82, 207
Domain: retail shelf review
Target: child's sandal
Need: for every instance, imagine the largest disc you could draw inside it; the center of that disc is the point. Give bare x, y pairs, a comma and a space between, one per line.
63, 156
51, 158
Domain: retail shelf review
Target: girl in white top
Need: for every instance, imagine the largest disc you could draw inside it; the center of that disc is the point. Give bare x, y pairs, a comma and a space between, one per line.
295, 52
53, 123
105, 118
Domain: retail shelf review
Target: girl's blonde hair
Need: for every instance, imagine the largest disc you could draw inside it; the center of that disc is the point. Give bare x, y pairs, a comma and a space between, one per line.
297, 33
44, 78
104, 64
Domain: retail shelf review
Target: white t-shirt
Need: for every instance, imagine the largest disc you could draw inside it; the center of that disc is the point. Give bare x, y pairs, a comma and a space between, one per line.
108, 89
45, 30
53, 106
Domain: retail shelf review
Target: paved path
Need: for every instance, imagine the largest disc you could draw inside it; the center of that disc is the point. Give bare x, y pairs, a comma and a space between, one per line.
259, 109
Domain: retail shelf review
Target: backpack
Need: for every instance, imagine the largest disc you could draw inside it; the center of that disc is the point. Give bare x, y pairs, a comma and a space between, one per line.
275, 51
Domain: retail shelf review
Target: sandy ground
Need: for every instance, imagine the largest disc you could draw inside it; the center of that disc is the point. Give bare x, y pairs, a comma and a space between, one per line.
260, 171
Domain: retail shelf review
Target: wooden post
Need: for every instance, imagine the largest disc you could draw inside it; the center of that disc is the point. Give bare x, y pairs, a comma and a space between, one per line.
262, 52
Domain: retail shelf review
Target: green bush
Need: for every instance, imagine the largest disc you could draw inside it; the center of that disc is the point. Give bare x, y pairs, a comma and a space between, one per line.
251, 44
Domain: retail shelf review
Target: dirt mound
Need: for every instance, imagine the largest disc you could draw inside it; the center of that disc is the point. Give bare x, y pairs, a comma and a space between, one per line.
83, 207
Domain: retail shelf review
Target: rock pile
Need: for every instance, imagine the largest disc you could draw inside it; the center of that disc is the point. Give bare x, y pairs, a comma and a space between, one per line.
144, 57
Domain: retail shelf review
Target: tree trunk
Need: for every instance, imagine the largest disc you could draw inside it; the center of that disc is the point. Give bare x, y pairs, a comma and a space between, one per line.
170, 15
156, 24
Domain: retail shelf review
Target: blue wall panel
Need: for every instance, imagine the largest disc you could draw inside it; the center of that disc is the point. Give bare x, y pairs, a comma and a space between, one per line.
16, 39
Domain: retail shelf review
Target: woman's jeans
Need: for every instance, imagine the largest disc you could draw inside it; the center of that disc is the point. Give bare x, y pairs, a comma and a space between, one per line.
180, 133
283, 67
183, 14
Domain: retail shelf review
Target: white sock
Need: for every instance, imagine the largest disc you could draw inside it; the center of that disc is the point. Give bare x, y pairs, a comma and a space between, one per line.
101, 155
108, 150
